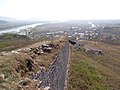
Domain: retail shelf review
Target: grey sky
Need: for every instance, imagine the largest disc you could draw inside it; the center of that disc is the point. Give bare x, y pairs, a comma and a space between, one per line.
61, 9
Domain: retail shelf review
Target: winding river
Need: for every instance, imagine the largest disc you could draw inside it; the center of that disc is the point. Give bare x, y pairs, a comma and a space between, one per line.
17, 29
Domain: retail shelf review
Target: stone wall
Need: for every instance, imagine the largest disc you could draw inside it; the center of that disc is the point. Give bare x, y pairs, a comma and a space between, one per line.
54, 77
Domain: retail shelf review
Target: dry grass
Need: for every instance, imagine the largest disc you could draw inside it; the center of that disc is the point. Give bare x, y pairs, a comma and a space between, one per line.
11, 45
8, 67
107, 65
14, 66
84, 74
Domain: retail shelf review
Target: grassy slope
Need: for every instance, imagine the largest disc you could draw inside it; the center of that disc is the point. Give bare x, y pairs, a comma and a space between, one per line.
84, 75
91, 72
14, 66
9, 67
109, 64
11, 45
13, 41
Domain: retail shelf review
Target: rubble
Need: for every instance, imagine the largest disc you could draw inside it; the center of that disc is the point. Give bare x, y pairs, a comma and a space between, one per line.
44, 48
29, 64
26, 81
4, 53
54, 77
73, 42
2, 77
48, 50
77, 44
14, 52
47, 88
93, 51
96, 52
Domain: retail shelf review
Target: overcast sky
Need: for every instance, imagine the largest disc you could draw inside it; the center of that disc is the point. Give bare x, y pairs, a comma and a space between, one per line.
61, 9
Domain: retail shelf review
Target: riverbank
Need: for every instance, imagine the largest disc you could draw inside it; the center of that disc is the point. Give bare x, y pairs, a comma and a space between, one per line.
15, 28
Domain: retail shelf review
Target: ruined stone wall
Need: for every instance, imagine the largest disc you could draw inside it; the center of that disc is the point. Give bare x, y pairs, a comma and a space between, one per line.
54, 77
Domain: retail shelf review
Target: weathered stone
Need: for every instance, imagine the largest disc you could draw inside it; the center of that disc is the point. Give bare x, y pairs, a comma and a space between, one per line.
15, 52
48, 50
95, 51
2, 77
72, 42
54, 77
26, 81
47, 88
29, 64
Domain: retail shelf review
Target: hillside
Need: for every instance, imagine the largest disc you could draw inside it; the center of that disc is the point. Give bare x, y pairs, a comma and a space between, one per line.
3, 22
89, 71
18, 67
7, 18
9, 42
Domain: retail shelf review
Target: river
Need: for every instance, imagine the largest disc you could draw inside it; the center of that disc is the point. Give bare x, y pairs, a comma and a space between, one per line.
17, 29
92, 25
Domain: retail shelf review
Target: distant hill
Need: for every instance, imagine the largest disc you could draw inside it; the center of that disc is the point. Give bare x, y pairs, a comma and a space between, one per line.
7, 19
3, 22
